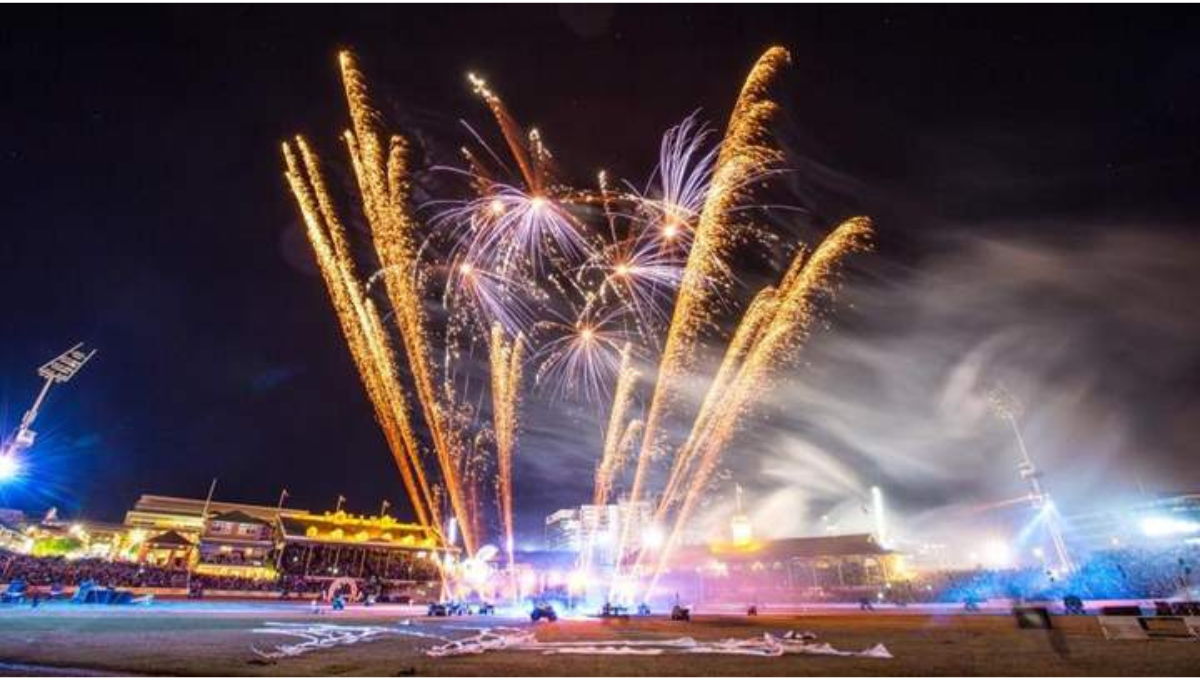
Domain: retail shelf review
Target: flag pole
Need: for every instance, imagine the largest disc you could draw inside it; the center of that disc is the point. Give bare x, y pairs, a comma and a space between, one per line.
203, 525
283, 493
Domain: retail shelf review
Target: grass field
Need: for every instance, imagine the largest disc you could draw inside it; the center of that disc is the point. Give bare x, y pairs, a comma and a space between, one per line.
216, 640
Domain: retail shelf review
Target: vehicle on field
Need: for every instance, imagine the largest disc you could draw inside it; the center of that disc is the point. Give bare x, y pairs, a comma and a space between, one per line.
543, 610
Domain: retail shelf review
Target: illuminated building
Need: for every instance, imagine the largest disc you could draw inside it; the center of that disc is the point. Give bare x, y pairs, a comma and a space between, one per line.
235, 543
782, 570
740, 528
742, 531
339, 545
170, 550
58, 538
598, 527
12, 538
239, 539
563, 531
184, 514
259, 541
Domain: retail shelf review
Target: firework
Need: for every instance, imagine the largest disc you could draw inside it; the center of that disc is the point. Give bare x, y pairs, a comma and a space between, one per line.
583, 354
778, 336
513, 135
745, 152
618, 427
640, 275
507, 357
368, 347
670, 206
508, 223
519, 227
383, 188
757, 315
594, 278
491, 297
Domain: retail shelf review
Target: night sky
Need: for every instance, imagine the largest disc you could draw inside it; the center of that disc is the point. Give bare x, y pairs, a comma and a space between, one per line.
1031, 171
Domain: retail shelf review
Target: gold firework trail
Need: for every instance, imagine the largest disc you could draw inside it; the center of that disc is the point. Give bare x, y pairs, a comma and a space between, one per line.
384, 188
356, 315
380, 345
774, 347
757, 316
513, 135
745, 153
507, 361
535, 234
382, 180
614, 435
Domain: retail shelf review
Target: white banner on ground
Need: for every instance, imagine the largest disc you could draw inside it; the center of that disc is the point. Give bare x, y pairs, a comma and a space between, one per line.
766, 646
315, 636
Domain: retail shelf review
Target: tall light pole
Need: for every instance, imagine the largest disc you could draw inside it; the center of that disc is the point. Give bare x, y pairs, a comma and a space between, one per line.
1007, 408
880, 519
58, 370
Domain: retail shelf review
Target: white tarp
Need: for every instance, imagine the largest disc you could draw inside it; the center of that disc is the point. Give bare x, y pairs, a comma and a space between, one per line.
767, 646
323, 636
315, 636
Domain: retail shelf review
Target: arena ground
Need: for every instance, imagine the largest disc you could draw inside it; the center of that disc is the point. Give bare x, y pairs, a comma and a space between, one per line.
213, 638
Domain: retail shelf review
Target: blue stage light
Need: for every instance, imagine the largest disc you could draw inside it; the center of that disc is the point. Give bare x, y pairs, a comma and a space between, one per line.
10, 467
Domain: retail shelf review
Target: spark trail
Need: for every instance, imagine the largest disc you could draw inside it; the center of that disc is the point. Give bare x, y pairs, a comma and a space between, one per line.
757, 316
618, 427
745, 153
595, 278
383, 186
507, 359
369, 349
776, 341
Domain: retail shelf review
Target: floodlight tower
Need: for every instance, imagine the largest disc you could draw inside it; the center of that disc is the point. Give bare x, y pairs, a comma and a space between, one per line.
58, 370
1007, 408
880, 519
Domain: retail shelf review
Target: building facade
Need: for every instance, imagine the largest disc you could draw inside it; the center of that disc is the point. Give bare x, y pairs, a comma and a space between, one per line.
598, 529
786, 570
563, 531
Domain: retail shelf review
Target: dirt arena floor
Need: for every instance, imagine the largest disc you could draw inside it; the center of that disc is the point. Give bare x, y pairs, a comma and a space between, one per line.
215, 639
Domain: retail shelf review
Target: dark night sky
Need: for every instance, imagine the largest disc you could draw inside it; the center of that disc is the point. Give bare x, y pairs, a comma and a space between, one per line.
143, 209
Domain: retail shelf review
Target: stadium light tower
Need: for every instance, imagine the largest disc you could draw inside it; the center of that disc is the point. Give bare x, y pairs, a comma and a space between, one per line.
880, 520
58, 370
1007, 408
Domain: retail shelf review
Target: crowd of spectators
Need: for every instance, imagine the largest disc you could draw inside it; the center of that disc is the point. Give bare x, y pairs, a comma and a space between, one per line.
48, 572
1113, 574
51, 571
1160, 573
1128, 573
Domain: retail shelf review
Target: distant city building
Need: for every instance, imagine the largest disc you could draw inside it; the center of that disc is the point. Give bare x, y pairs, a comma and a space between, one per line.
782, 570
598, 528
563, 531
